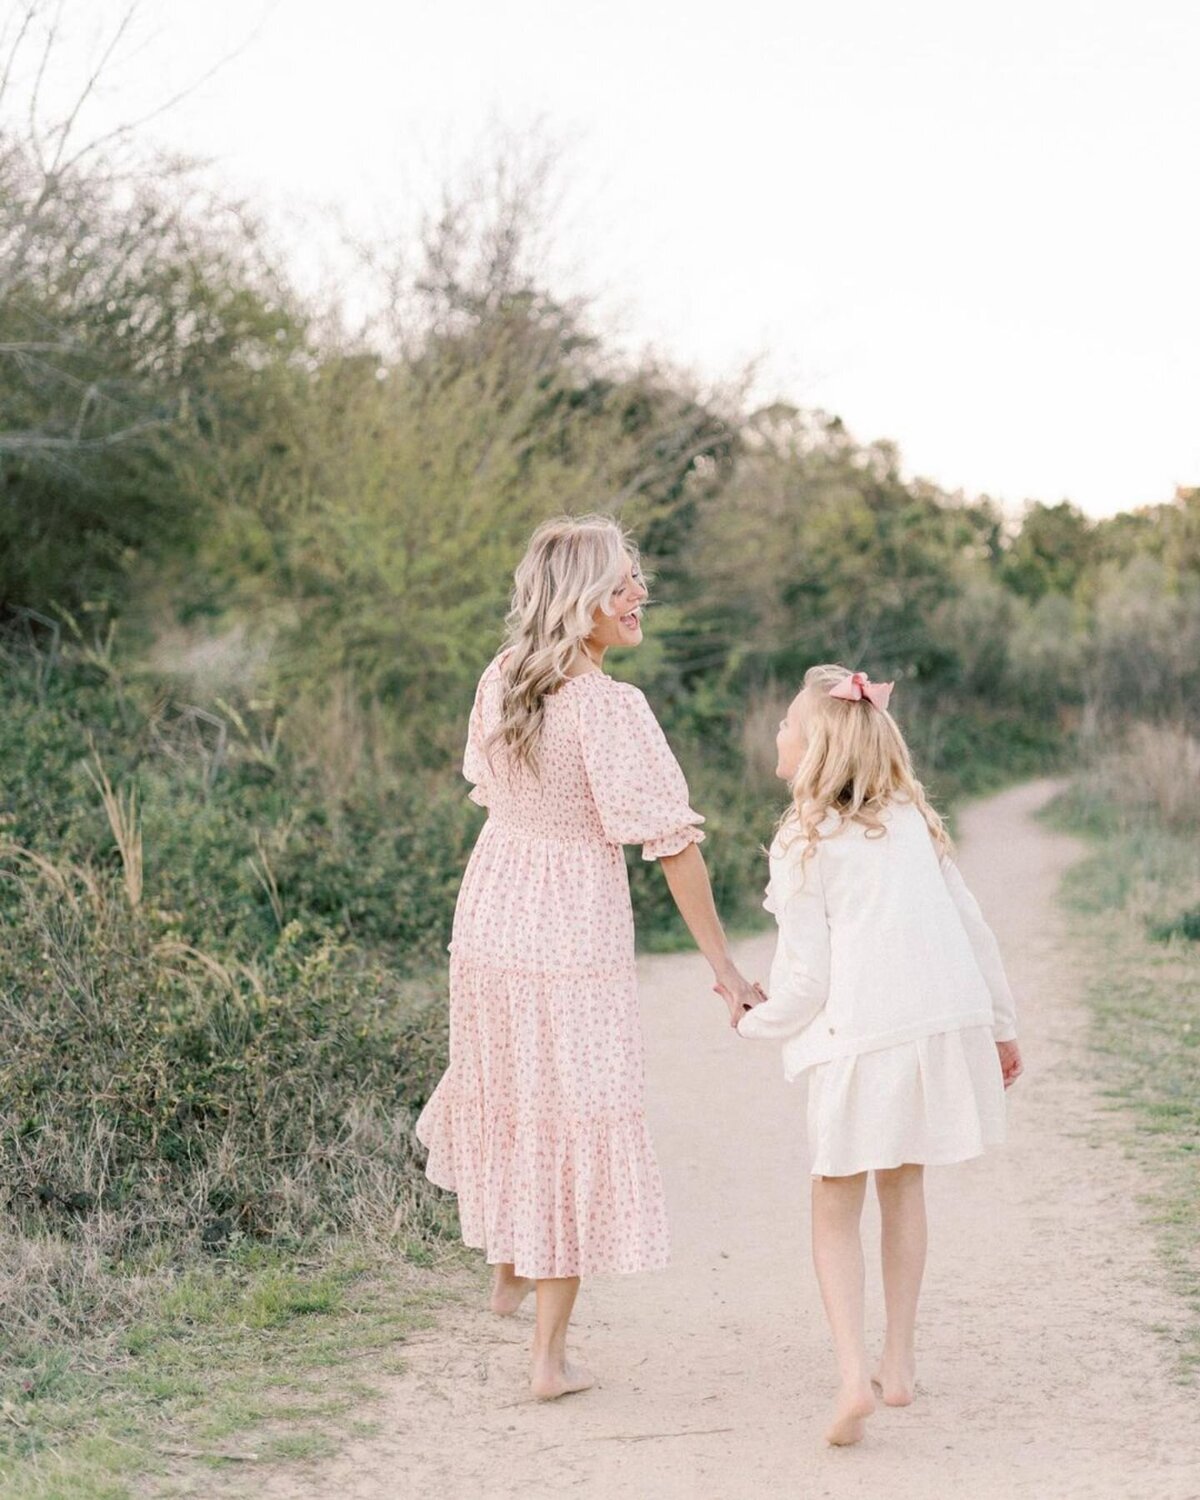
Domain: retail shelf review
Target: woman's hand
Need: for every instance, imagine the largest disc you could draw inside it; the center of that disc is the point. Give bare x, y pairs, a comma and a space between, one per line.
1010, 1062
738, 994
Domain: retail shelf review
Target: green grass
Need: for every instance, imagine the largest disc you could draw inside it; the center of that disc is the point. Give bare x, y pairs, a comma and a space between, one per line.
1142, 980
258, 1359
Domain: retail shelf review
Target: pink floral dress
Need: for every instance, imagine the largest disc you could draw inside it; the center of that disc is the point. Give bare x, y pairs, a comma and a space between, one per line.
538, 1123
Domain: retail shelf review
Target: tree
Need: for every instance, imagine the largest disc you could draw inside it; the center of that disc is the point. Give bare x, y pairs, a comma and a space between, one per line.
127, 299
1051, 552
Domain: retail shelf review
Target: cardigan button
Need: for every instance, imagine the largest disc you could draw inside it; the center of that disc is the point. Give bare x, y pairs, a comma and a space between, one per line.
831, 1031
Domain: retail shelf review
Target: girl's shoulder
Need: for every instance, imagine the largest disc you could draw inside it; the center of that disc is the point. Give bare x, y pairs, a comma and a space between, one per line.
793, 865
788, 846
839, 839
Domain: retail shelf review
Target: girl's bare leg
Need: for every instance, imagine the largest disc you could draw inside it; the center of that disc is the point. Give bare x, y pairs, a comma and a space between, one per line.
553, 1375
837, 1255
509, 1290
901, 1193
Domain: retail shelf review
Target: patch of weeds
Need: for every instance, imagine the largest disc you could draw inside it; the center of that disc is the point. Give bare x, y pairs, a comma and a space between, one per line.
1143, 990
259, 1352
1186, 926
294, 1446
280, 1296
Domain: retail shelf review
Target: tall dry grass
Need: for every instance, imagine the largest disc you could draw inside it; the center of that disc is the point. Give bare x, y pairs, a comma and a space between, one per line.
121, 810
1151, 775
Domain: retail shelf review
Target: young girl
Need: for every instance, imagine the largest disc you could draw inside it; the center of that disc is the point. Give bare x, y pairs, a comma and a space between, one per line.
887, 989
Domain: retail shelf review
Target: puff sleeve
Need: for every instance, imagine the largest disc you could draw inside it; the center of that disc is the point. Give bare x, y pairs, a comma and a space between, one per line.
636, 783
987, 952
799, 981
475, 763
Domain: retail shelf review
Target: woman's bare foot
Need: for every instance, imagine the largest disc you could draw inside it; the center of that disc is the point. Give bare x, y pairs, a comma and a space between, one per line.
509, 1291
896, 1382
553, 1380
854, 1405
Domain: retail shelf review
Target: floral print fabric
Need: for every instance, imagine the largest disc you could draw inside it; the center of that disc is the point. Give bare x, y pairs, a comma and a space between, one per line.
538, 1124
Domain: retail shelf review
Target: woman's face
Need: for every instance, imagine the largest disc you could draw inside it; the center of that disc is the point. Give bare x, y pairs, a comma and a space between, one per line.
623, 626
791, 740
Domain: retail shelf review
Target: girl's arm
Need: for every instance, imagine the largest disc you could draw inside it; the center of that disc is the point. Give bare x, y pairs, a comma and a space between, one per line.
987, 952
799, 983
687, 879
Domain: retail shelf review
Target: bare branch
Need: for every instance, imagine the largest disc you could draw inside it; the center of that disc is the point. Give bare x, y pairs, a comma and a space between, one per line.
34, 442
63, 130
58, 346
131, 127
36, 92
13, 52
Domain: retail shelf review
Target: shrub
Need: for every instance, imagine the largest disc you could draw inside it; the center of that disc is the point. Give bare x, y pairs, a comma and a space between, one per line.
180, 1096
238, 1043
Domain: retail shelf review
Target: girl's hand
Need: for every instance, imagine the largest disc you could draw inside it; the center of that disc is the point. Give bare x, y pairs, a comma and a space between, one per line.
739, 995
1010, 1062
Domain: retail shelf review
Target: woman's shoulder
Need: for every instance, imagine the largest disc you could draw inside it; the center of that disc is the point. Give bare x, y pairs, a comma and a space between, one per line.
615, 696
491, 673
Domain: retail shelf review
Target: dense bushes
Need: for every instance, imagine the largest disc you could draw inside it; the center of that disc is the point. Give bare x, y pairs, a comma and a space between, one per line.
181, 1096
238, 1046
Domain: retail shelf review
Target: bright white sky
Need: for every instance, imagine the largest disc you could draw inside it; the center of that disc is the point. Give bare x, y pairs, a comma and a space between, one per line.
969, 228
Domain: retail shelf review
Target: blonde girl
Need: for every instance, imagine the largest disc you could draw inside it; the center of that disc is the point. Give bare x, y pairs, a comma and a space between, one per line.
887, 991
538, 1123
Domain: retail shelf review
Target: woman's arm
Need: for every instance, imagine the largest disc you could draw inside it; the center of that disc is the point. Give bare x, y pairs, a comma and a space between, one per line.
687, 879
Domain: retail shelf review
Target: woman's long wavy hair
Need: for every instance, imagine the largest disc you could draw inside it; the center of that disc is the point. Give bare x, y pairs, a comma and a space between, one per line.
572, 566
855, 763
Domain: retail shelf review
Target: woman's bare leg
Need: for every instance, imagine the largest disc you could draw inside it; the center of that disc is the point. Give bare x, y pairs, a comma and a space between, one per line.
837, 1255
509, 1290
553, 1375
901, 1193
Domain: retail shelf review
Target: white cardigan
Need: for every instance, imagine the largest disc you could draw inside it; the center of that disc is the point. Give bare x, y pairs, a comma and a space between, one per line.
880, 942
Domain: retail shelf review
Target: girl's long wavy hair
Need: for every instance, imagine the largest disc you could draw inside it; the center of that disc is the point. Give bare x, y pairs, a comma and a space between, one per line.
855, 763
572, 566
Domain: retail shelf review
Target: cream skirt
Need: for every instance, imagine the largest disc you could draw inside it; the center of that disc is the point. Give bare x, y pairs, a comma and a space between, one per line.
939, 1099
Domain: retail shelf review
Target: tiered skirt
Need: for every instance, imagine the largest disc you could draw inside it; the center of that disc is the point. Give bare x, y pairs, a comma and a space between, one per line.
538, 1124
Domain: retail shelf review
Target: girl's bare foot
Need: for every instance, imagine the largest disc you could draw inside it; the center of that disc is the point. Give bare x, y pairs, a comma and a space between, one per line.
509, 1291
553, 1380
896, 1382
854, 1405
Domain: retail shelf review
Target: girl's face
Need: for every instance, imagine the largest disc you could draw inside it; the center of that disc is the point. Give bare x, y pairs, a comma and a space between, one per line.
791, 740
623, 626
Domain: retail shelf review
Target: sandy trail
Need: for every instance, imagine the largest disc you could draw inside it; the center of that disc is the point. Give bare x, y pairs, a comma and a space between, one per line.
1039, 1372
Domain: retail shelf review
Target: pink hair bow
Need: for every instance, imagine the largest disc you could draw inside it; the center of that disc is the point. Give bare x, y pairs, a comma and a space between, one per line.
858, 685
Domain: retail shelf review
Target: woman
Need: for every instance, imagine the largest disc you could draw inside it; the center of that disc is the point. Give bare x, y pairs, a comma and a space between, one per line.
538, 1123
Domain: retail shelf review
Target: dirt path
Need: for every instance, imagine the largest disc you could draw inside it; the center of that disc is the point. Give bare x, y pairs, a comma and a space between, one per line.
1039, 1373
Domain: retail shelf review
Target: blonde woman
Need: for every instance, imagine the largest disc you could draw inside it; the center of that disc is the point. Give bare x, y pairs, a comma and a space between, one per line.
538, 1122
888, 990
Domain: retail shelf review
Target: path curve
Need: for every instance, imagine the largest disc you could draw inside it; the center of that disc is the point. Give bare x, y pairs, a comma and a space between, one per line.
1039, 1375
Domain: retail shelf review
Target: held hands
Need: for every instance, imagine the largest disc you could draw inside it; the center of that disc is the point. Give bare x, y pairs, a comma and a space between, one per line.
1010, 1062
739, 995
